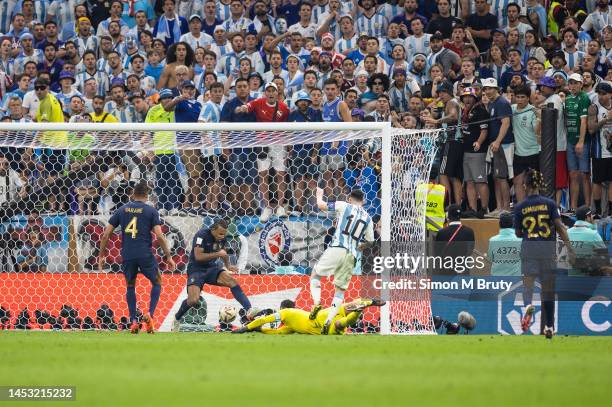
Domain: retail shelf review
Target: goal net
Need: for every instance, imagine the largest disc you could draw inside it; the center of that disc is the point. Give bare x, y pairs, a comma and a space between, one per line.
60, 182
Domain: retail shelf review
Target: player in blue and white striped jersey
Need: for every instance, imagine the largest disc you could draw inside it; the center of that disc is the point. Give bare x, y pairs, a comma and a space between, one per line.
90, 71
354, 227
62, 11
223, 10
370, 21
6, 13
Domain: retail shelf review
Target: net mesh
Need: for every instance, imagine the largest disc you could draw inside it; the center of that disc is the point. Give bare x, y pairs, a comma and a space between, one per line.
59, 185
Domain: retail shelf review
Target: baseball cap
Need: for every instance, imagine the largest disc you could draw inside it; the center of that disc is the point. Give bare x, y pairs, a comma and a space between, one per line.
454, 211
188, 84
303, 95
117, 82
271, 85
548, 81
575, 77
26, 36
66, 75
604, 87
195, 16
445, 87
255, 74
489, 83
583, 212
363, 34
165, 94
358, 112
469, 92
499, 30
219, 27
327, 35
325, 54
134, 95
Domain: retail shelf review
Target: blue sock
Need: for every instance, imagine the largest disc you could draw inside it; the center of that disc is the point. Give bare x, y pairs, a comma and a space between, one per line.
241, 297
182, 310
130, 296
155, 292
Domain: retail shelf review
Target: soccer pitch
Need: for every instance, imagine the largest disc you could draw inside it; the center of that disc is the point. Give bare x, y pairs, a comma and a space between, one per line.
116, 368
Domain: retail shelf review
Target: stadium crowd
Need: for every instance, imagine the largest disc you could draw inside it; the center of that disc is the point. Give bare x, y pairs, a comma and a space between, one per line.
481, 70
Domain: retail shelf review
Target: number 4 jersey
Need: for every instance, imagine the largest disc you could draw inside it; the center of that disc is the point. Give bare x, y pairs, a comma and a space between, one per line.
137, 221
353, 226
534, 219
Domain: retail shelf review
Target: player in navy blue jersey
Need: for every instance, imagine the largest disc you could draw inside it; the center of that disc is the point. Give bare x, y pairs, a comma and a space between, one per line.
138, 221
209, 264
537, 222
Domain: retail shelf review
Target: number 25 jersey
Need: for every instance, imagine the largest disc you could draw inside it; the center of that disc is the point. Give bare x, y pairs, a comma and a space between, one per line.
353, 226
534, 218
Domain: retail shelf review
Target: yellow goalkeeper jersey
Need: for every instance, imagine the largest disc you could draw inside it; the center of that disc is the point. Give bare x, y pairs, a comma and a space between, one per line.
296, 321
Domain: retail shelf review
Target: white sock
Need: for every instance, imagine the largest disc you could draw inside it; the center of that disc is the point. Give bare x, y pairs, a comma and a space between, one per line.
336, 303
315, 289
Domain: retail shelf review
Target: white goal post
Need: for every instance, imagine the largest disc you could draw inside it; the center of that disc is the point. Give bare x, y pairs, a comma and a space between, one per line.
404, 157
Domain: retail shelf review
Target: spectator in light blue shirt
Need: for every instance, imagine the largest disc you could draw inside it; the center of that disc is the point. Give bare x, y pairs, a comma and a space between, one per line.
585, 240
505, 249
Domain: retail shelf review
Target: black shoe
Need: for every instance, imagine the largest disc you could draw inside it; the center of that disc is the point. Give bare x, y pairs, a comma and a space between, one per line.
243, 316
548, 333
325, 329
378, 302
241, 330
314, 312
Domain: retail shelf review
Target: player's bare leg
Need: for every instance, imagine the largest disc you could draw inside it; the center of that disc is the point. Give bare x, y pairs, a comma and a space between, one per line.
193, 297
281, 190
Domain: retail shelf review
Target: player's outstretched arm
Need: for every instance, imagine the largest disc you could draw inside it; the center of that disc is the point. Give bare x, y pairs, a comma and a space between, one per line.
562, 231
103, 243
164, 245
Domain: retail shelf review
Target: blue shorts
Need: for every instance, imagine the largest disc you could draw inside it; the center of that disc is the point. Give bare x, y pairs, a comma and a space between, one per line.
534, 267
580, 163
199, 278
147, 266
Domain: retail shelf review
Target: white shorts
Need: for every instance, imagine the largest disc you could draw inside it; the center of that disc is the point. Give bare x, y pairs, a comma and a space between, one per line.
275, 159
339, 262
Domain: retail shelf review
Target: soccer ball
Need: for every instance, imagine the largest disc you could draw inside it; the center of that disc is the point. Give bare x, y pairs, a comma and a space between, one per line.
227, 314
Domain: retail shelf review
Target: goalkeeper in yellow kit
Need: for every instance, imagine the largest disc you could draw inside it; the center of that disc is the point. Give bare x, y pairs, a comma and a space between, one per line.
295, 320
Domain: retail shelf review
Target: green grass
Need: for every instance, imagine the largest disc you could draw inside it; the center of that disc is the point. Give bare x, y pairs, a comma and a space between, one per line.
257, 370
